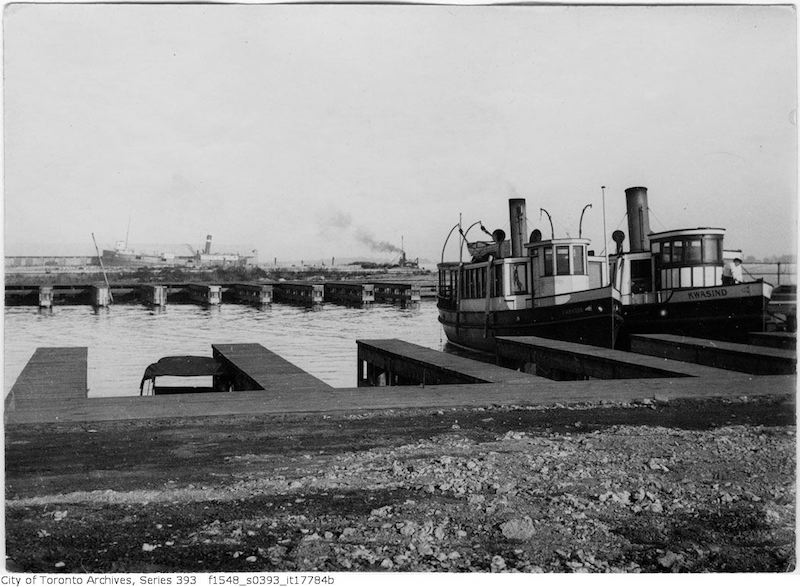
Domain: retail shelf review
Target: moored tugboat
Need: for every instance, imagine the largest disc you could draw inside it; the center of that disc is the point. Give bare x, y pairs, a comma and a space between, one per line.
552, 288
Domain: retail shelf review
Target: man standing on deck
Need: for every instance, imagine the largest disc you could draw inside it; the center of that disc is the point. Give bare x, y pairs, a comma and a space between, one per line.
732, 273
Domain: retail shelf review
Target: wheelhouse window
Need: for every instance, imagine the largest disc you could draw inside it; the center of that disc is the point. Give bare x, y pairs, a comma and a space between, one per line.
677, 252
699, 250
712, 250
548, 261
578, 267
693, 251
562, 260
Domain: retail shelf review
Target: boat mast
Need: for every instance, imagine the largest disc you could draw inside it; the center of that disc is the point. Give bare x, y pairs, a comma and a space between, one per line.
103, 269
127, 233
550, 218
608, 269
605, 234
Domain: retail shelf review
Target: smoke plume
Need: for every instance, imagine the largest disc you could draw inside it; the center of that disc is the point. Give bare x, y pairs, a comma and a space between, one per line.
365, 237
339, 220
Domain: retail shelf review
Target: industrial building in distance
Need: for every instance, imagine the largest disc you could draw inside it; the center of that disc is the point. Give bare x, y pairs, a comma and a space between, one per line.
123, 256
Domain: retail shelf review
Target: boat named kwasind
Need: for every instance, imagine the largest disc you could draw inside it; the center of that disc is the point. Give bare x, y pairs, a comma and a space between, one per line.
668, 282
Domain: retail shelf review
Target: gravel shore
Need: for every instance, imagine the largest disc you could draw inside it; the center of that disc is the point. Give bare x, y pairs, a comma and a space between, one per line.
683, 486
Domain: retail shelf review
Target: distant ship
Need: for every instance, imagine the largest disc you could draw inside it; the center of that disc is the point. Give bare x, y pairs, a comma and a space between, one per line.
121, 255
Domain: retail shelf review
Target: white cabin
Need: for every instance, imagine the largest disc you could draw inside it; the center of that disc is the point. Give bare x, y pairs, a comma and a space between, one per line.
677, 259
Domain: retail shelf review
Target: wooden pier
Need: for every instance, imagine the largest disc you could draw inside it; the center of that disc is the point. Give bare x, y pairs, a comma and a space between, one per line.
48, 296
778, 340
52, 376
253, 367
396, 362
349, 293
391, 374
714, 353
404, 293
299, 292
562, 360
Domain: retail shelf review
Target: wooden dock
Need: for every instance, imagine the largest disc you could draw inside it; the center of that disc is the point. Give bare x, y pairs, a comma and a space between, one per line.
778, 340
568, 360
355, 293
714, 353
52, 376
52, 387
253, 367
357, 399
396, 362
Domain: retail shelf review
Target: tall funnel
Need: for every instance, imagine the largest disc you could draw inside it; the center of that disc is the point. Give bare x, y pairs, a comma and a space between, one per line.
519, 225
638, 219
207, 250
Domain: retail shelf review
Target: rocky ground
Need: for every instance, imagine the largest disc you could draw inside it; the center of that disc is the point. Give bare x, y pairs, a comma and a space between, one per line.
657, 487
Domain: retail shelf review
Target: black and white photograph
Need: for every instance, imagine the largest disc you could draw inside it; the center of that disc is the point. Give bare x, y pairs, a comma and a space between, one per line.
346, 293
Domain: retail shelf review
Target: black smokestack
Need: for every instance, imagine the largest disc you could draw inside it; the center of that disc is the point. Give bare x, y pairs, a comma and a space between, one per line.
519, 225
207, 250
638, 219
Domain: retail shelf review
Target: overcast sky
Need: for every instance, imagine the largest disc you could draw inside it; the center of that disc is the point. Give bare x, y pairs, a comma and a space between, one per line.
311, 131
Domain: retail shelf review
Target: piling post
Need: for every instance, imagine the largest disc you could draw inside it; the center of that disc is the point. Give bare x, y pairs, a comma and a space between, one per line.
101, 296
45, 296
154, 295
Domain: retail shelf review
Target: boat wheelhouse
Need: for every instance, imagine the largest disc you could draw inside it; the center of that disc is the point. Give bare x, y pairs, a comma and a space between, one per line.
547, 288
671, 281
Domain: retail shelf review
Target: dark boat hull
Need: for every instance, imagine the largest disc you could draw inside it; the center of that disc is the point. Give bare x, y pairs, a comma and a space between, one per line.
718, 313
715, 318
585, 323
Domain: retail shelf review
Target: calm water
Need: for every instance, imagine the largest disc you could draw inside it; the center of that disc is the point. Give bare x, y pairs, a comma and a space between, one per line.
124, 339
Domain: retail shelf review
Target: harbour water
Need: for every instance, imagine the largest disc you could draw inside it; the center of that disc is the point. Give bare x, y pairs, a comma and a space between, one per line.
124, 339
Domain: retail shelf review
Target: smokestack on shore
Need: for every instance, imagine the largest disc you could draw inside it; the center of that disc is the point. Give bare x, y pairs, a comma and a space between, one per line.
519, 225
638, 219
207, 250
